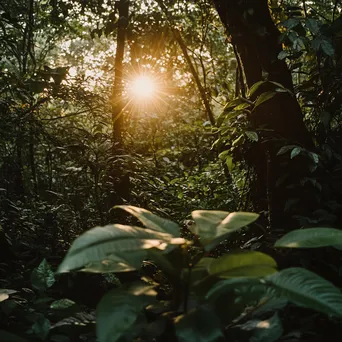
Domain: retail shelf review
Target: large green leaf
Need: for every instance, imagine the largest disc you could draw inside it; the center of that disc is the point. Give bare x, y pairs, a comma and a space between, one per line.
265, 97
152, 221
206, 222
214, 226
307, 289
118, 241
311, 238
42, 277
119, 309
227, 285
200, 325
243, 264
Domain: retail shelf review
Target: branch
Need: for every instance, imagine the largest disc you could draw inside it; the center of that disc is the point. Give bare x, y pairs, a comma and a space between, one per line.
195, 75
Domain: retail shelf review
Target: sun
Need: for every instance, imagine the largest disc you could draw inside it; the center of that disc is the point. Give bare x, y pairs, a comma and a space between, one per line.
143, 88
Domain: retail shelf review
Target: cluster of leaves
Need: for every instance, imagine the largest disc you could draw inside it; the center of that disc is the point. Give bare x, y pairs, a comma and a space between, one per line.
242, 289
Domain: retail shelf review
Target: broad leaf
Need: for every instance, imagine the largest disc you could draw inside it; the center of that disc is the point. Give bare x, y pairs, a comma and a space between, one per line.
42, 277
62, 304
119, 310
243, 264
295, 152
200, 325
116, 263
235, 221
305, 288
214, 226
265, 97
231, 284
255, 87
311, 238
152, 221
5, 293
97, 244
206, 222
251, 135
285, 149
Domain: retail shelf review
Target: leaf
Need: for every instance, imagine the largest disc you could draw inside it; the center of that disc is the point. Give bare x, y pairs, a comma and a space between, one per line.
314, 157
265, 97
200, 325
42, 277
291, 23
119, 262
255, 87
327, 47
4, 294
313, 25
268, 330
243, 264
62, 304
230, 284
285, 149
229, 163
237, 140
41, 327
211, 224
206, 222
322, 43
307, 289
242, 106
295, 152
282, 55
80, 319
119, 309
152, 221
251, 135
311, 238
118, 241
235, 221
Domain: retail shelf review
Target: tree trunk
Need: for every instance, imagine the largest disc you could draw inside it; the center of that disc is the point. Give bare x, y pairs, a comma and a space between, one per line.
256, 39
120, 178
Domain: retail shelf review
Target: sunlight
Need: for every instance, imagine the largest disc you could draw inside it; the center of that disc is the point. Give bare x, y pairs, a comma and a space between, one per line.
143, 88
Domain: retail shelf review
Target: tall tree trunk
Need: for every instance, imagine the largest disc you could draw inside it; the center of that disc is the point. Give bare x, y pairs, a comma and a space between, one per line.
120, 177
117, 93
256, 39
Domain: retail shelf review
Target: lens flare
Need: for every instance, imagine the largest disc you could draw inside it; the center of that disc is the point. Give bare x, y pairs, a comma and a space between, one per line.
143, 88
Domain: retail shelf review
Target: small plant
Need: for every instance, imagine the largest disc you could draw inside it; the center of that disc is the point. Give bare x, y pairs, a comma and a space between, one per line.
207, 297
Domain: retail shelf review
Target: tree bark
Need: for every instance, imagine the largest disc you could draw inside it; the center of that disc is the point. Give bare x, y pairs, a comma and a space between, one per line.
117, 93
256, 39
119, 177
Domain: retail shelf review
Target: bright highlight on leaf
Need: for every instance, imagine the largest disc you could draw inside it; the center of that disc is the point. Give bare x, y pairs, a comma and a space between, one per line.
143, 87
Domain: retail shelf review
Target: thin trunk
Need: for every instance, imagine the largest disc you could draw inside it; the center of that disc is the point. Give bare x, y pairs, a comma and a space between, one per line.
202, 91
117, 93
121, 179
32, 159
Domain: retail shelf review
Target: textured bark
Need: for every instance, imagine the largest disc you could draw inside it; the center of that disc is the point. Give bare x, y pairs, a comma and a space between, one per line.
117, 174
117, 93
256, 40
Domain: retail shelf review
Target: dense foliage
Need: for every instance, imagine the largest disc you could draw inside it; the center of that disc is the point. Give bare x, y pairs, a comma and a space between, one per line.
220, 117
